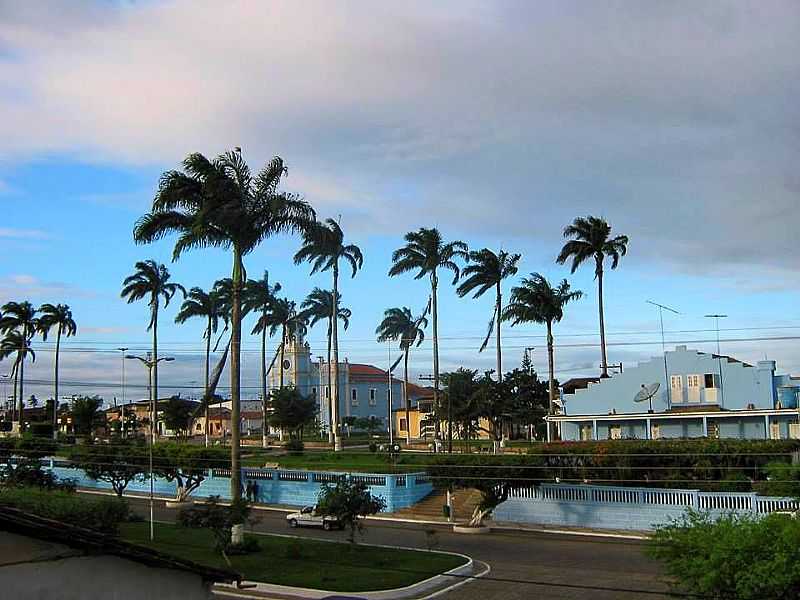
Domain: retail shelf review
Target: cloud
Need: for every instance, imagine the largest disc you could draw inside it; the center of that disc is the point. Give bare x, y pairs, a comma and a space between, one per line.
504, 120
23, 234
21, 286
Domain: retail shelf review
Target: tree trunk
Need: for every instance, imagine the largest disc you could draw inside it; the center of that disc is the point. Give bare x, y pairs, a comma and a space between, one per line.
55, 384
236, 355
498, 305
21, 399
331, 439
154, 380
208, 379
264, 398
551, 371
604, 363
406, 400
337, 442
435, 324
283, 355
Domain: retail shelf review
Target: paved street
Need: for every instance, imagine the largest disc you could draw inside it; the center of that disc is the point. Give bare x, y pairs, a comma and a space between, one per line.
524, 565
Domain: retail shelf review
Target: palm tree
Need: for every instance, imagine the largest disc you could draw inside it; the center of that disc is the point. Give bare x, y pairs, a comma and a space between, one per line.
259, 296
220, 203
20, 317
400, 324
487, 270
324, 246
206, 305
590, 238
60, 317
15, 344
426, 252
317, 306
537, 301
151, 280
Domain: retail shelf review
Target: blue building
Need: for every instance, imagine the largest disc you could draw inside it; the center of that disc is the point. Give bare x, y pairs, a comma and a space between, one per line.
363, 389
699, 395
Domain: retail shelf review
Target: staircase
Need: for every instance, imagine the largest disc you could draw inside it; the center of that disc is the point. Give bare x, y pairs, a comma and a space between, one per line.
430, 508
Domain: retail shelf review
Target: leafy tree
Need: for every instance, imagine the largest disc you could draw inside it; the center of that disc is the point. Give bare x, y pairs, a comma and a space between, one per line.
60, 317
350, 422
590, 239
400, 324
537, 301
348, 501
259, 296
186, 464
152, 281
86, 414
292, 411
460, 388
219, 519
177, 415
368, 424
317, 306
208, 306
487, 270
324, 247
220, 203
426, 253
117, 464
531, 397
20, 323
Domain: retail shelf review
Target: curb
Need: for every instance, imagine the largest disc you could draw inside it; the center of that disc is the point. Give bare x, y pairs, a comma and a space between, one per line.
532, 529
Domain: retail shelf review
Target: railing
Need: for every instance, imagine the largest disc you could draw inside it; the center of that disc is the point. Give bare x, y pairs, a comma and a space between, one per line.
256, 474
727, 501
324, 477
369, 479
400, 481
422, 480
293, 475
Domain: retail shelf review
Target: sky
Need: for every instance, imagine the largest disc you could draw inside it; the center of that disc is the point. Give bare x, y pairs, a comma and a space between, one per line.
497, 122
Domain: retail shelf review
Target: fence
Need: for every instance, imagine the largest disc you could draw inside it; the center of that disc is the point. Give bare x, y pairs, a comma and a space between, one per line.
608, 507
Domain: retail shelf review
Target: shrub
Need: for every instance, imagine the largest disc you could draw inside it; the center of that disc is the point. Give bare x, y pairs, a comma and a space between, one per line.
373, 447
782, 479
732, 557
29, 473
735, 482
294, 445
218, 519
348, 501
42, 429
101, 513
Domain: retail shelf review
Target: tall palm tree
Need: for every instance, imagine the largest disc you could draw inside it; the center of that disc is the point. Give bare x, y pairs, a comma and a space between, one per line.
22, 318
537, 301
487, 270
208, 306
259, 296
60, 317
400, 324
324, 247
151, 281
220, 203
15, 344
318, 306
590, 238
426, 253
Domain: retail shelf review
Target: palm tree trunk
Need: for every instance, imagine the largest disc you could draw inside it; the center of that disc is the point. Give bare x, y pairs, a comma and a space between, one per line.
154, 370
551, 370
55, 385
208, 379
331, 439
283, 354
406, 401
21, 399
264, 398
337, 442
435, 324
236, 355
499, 351
604, 363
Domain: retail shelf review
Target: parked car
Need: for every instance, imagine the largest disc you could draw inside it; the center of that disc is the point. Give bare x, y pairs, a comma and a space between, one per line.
309, 517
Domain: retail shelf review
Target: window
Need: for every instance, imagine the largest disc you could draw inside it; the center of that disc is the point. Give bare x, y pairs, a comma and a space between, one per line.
676, 385
403, 425
373, 400
710, 380
774, 430
693, 381
586, 432
693, 385
354, 397
794, 431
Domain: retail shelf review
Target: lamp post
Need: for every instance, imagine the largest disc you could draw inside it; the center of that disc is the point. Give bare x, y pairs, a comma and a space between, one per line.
716, 318
123, 351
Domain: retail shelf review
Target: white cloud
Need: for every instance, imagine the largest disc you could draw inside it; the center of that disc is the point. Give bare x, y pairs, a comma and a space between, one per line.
23, 234
22, 286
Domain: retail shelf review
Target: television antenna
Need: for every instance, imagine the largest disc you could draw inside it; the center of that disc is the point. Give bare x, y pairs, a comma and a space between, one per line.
646, 394
661, 309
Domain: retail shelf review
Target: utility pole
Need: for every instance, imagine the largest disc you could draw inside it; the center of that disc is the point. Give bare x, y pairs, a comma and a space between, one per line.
389, 392
716, 318
123, 351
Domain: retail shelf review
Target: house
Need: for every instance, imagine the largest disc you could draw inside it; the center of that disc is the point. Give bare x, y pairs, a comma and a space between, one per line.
137, 415
41, 558
694, 394
421, 419
219, 421
364, 390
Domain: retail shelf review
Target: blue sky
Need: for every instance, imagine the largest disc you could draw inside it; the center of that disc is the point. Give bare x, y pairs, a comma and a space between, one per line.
497, 123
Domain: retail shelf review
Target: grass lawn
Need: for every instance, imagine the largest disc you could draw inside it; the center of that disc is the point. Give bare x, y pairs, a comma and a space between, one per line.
332, 566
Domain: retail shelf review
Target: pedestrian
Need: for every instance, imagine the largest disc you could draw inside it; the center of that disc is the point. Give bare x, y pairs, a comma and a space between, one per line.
249, 491
255, 491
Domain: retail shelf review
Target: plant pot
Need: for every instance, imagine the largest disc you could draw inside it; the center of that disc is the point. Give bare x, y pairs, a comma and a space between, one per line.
471, 530
179, 503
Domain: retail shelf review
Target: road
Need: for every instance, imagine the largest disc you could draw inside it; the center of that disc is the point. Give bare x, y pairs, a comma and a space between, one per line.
524, 564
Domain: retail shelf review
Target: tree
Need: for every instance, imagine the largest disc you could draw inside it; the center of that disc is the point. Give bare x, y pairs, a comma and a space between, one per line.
537, 301
208, 306
531, 397
590, 238
487, 270
187, 465
324, 247
86, 414
259, 296
292, 411
400, 324
349, 422
151, 280
60, 317
317, 306
117, 464
177, 415
426, 253
368, 424
220, 203
460, 388
19, 317
219, 519
349, 501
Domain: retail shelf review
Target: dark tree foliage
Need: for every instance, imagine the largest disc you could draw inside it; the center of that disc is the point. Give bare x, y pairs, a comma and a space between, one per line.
348, 501
86, 414
187, 465
118, 464
177, 415
292, 411
218, 519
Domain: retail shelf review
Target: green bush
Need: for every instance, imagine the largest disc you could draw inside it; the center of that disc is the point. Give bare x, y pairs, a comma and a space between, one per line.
42, 429
782, 479
734, 557
99, 513
373, 447
294, 445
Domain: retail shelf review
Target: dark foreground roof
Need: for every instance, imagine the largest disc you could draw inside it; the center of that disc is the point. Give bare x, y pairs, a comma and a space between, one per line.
92, 542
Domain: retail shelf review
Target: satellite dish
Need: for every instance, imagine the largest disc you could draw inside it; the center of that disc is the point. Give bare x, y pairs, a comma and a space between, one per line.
647, 392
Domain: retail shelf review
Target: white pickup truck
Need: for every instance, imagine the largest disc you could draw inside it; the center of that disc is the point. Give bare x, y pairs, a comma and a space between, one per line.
309, 517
